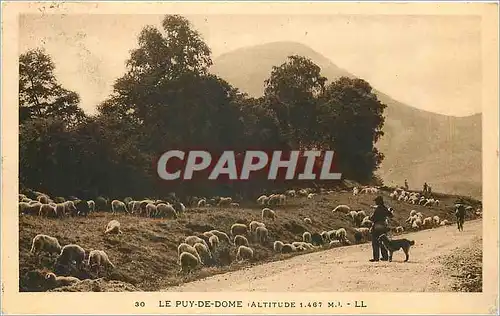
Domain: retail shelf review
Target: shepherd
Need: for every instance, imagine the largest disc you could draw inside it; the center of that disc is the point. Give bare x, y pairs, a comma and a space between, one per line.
379, 227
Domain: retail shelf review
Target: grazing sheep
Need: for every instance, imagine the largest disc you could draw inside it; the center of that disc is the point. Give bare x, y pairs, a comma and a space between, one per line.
341, 234
334, 244
254, 224
47, 210
311, 195
60, 210
444, 222
317, 239
278, 245
361, 234
57, 281
70, 253
91, 205
240, 240
262, 234
306, 237
353, 215
355, 191
436, 220
43, 199
23, 206
214, 242
366, 223
307, 220
288, 248
221, 235
183, 247
269, 213
399, 230
208, 234
188, 262
413, 213
202, 203
290, 193
427, 222
244, 253
416, 224
235, 204
151, 210
33, 208
261, 200
239, 229
45, 243
203, 251
113, 227
99, 258
342, 208
166, 211
332, 234
325, 236
225, 201
192, 240
118, 206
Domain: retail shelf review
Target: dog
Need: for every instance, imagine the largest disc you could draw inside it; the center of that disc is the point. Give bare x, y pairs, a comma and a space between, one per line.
396, 244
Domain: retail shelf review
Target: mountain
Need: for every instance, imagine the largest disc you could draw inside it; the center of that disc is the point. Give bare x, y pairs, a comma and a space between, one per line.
418, 145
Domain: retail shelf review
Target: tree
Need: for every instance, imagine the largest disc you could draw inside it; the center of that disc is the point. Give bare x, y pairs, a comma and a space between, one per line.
40, 95
351, 122
291, 92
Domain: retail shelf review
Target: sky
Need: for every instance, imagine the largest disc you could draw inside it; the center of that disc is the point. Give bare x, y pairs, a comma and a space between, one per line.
428, 62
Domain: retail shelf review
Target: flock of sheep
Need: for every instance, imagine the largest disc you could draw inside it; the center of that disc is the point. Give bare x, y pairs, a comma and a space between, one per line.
200, 250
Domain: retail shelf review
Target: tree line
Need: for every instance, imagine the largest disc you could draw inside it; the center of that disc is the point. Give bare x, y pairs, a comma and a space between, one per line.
167, 99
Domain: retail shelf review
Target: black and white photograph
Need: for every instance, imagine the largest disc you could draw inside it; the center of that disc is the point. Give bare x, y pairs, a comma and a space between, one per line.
148, 149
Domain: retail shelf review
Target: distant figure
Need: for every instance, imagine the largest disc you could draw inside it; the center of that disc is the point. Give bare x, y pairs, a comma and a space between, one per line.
460, 214
406, 185
379, 227
429, 190
425, 188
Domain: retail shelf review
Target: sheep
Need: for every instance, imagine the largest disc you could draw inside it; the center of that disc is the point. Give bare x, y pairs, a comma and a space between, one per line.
355, 191
444, 222
188, 262
225, 201
254, 224
57, 281
183, 247
436, 220
235, 204
203, 251
43, 199
274, 199
151, 210
113, 227
239, 229
202, 203
290, 193
99, 258
118, 206
269, 213
341, 234
366, 223
47, 210
334, 244
306, 237
307, 220
288, 248
413, 213
60, 209
316, 239
221, 235
302, 192
325, 236
192, 240
342, 208
436, 202
261, 199
262, 234
278, 245
45, 243
427, 222
23, 206
214, 242
332, 234
416, 224
208, 234
71, 253
240, 240
166, 211
361, 233
244, 253
91, 205
399, 230
311, 195
353, 215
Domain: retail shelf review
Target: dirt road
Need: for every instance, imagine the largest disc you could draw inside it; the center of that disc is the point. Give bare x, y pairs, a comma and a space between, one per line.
347, 269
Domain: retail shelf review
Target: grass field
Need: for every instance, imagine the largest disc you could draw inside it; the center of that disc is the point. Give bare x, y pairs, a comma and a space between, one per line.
145, 255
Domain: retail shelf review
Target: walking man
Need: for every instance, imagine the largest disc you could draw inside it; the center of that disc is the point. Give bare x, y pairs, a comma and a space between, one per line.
379, 227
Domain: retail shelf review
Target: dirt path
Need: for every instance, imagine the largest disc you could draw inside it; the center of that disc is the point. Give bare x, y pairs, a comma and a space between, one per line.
347, 269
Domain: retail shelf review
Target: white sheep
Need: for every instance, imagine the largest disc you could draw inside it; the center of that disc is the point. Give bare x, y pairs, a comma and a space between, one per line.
244, 253
436, 220
91, 205
151, 210
444, 222
225, 201
262, 234
278, 245
413, 212
240, 240
342, 208
118, 206
355, 191
306, 237
99, 258
203, 251
58, 281
361, 234
192, 240
325, 236
183, 247
399, 230
239, 229
45, 243
44, 199
166, 211
311, 196
427, 222
436, 202
202, 203
334, 244
47, 210
188, 262
235, 204
72, 253
307, 220
214, 242
366, 223
113, 227
254, 224
221, 235
341, 234
416, 224
268, 213
290, 193
288, 248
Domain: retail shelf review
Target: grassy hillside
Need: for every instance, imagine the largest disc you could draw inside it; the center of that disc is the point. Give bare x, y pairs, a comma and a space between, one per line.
419, 145
145, 254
